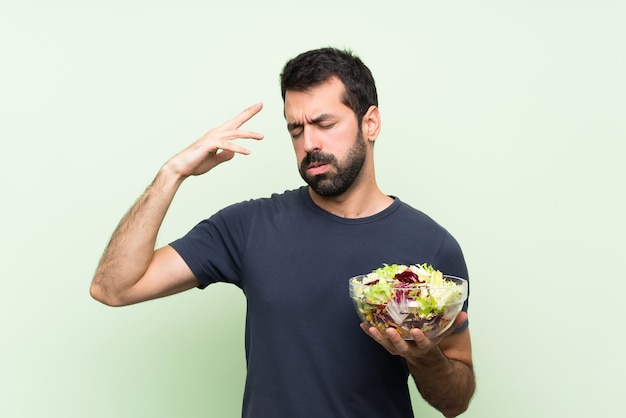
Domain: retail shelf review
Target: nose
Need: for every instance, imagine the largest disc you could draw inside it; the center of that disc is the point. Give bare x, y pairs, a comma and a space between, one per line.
310, 139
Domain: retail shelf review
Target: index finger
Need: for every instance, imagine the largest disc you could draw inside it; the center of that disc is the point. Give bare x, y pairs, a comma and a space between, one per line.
244, 116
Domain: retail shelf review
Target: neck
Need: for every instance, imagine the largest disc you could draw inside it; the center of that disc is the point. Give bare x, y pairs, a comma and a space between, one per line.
356, 202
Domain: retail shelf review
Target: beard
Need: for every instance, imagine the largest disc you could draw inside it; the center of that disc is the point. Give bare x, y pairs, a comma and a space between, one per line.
341, 176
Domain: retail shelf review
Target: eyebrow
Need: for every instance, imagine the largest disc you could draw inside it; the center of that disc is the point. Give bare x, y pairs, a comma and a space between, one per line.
319, 119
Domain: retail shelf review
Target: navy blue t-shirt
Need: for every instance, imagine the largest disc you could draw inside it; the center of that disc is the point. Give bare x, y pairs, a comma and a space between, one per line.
306, 354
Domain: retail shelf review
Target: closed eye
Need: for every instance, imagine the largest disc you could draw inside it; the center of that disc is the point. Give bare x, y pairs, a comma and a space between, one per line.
323, 121
295, 133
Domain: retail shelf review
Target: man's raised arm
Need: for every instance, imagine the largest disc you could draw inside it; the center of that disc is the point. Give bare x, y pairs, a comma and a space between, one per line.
130, 269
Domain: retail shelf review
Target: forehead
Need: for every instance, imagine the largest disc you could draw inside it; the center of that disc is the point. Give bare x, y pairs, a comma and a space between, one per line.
324, 98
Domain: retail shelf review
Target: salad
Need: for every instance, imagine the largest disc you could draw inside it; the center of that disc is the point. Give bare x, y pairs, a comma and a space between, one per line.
406, 297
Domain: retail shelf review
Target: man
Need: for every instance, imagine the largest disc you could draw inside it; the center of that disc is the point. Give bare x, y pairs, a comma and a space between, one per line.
293, 253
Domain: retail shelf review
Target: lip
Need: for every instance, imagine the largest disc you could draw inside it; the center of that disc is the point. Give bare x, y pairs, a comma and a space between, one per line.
316, 169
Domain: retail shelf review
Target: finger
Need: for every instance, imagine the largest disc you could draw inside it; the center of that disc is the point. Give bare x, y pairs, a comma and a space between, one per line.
377, 336
244, 116
231, 147
390, 339
420, 339
241, 134
423, 342
459, 320
400, 345
223, 156
371, 331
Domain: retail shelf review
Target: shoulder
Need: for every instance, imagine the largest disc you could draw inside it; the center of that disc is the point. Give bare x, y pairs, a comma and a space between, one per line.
274, 201
246, 212
447, 250
417, 218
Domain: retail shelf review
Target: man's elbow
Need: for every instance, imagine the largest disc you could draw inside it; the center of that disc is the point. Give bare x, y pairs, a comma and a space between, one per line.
461, 407
102, 295
451, 413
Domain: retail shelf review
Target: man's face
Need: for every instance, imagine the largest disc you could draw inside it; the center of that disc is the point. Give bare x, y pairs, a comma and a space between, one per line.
327, 139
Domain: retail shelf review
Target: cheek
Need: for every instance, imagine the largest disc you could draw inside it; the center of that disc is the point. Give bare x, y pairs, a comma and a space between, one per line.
341, 140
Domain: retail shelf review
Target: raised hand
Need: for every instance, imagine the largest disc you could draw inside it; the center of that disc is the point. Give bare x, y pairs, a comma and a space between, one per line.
215, 146
130, 270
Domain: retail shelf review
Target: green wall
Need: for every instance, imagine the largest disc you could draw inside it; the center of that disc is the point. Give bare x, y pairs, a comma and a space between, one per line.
504, 121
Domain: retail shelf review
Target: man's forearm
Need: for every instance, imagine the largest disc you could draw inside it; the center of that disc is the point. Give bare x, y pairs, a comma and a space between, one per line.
131, 247
448, 385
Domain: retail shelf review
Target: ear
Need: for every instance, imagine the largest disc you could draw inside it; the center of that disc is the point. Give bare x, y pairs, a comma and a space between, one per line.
371, 124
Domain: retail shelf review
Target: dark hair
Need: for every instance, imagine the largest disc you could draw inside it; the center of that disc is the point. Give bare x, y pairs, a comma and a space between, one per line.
317, 66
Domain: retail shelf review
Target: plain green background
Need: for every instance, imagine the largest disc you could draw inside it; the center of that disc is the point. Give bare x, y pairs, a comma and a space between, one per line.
503, 120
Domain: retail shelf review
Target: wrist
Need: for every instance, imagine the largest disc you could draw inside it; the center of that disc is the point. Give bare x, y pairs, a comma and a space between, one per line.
166, 182
168, 174
433, 359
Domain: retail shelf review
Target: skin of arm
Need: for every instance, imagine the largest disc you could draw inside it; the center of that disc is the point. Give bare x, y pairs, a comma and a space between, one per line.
442, 368
130, 270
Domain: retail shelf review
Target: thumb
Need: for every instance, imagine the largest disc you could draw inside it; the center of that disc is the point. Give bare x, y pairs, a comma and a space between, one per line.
223, 156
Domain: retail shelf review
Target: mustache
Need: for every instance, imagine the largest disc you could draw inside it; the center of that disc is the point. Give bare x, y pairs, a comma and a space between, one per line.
317, 157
